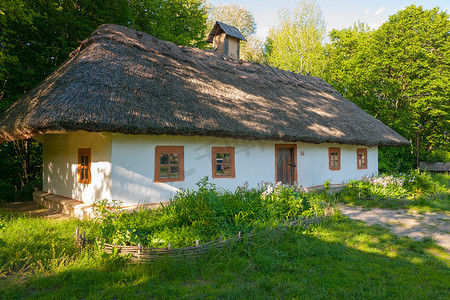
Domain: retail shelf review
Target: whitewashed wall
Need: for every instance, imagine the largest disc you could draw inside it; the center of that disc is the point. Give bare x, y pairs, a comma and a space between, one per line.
313, 165
60, 156
133, 158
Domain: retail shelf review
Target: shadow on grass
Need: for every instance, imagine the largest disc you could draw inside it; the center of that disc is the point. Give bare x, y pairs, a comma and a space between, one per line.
337, 260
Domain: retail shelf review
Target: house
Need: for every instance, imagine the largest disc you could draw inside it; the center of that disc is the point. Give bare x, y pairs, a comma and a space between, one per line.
132, 118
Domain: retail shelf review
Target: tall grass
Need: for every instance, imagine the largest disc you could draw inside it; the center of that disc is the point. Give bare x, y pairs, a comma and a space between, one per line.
208, 212
422, 190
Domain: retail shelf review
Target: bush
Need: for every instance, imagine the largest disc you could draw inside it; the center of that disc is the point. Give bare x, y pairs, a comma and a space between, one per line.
7, 192
209, 212
396, 186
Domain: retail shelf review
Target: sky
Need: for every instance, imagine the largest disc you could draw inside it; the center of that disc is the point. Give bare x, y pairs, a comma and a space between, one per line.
338, 14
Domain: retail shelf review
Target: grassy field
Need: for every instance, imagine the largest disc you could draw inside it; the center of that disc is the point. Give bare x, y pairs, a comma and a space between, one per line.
339, 259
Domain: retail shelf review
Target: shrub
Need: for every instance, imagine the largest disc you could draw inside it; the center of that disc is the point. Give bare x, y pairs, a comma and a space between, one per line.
207, 213
7, 192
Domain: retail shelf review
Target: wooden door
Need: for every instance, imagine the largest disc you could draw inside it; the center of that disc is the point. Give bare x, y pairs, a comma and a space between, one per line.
286, 163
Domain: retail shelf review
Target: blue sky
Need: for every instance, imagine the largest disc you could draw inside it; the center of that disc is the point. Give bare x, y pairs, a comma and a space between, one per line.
338, 14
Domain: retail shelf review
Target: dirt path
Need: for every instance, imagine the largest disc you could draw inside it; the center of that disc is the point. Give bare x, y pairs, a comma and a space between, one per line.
404, 223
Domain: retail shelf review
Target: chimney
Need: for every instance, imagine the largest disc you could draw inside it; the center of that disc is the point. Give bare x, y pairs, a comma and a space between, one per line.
226, 40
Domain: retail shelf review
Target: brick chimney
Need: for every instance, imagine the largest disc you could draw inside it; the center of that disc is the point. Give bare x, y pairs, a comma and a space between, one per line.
226, 40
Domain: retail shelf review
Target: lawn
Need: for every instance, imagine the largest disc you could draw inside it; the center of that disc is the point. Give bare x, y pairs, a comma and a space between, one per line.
338, 259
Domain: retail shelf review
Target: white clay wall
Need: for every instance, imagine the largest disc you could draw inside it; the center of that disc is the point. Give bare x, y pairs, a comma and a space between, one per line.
133, 160
313, 165
60, 157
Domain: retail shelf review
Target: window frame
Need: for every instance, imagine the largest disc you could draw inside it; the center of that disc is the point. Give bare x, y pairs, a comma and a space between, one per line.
170, 150
84, 152
333, 150
358, 151
231, 151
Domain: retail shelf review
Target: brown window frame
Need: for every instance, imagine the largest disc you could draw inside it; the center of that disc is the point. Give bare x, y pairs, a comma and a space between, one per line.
170, 150
214, 152
358, 151
334, 150
84, 152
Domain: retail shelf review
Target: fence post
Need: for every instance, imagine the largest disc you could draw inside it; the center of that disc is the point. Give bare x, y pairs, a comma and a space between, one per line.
169, 246
239, 235
196, 243
220, 238
139, 252
83, 239
359, 195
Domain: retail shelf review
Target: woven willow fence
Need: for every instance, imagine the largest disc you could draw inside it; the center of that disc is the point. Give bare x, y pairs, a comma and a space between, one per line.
148, 254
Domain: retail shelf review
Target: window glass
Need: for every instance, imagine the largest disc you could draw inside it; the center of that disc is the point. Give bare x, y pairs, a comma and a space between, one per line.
84, 165
169, 163
334, 159
361, 155
223, 162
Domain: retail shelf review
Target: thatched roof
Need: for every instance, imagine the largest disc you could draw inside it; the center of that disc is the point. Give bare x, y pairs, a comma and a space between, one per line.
220, 27
124, 81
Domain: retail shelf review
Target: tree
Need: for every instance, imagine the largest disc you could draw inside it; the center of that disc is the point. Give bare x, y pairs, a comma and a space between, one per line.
234, 15
179, 21
400, 74
36, 36
295, 43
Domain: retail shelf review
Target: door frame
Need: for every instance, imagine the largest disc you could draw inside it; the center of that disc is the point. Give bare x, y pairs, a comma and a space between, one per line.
283, 146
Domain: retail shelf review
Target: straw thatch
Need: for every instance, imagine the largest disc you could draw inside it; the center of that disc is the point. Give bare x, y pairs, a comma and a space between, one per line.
124, 81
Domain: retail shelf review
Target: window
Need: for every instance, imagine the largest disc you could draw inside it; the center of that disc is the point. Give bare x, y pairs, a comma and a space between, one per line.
223, 162
84, 165
169, 163
361, 156
334, 155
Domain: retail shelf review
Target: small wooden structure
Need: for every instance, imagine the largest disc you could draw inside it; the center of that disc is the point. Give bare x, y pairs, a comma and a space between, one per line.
226, 40
438, 167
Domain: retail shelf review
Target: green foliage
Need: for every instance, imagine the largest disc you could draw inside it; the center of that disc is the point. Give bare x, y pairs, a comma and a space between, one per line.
207, 213
295, 43
20, 169
37, 36
400, 74
419, 188
182, 22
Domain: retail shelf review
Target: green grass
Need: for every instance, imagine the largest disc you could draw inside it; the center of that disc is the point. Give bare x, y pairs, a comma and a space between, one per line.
421, 204
424, 192
443, 179
339, 259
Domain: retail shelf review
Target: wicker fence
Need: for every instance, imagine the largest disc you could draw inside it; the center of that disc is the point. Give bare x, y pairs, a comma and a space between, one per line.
147, 254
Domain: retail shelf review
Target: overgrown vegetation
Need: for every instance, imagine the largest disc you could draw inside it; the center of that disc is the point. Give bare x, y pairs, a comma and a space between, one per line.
341, 258
420, 190
207, 213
